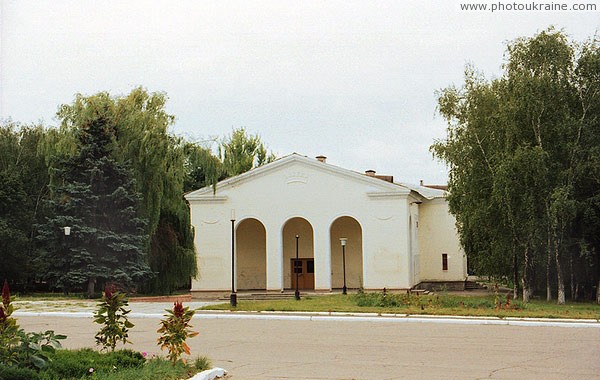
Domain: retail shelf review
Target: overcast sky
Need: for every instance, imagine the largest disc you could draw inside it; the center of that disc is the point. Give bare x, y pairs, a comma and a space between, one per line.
354, 81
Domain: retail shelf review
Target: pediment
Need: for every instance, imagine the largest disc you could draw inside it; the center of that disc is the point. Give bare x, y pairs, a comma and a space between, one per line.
299, 171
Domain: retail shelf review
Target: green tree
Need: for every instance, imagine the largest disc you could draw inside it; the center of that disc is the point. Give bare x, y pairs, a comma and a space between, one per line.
23, 188
97, 198
157, 158
240, 152
518, 149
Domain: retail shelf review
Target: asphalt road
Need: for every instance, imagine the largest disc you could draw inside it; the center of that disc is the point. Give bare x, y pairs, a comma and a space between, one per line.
333, 349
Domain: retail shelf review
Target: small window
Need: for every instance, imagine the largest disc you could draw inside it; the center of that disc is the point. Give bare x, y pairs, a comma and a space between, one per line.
310, 266
444, 261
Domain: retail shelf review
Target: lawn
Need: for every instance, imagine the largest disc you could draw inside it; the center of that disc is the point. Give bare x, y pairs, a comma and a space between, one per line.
442, 304
119, 365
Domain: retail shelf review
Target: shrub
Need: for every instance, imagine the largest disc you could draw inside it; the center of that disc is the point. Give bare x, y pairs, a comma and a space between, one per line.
17, 373
112, 314
69, 364
202, 363
174, 330
20, 348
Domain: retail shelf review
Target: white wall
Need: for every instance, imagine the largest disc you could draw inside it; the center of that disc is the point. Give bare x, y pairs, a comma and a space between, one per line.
437, 235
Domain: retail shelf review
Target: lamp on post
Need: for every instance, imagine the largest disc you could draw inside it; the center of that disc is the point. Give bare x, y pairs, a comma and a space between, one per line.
233, 296
296, 271
343, 241
67, 232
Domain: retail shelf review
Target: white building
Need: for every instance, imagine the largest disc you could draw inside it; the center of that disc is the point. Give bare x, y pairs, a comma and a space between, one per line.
398, 235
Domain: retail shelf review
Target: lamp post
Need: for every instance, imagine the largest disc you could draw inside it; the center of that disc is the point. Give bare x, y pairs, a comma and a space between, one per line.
233, 296
297, 293
67, 232
343, 241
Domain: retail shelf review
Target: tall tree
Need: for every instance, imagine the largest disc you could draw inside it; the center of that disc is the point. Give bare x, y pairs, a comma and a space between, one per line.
23, 188
96, 197
517, 148
240, 152
157, 157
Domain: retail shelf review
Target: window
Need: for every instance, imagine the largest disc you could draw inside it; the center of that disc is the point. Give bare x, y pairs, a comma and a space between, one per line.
444, 261
297, 266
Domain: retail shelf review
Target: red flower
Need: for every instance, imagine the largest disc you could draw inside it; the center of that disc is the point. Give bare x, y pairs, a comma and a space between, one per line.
108, 291
178, 309
5, 294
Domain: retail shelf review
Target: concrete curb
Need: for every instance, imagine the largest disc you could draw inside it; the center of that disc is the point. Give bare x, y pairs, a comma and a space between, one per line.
349, 317
209, 374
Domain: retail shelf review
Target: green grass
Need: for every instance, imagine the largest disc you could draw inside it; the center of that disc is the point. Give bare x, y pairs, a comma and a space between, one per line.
119, 365
424, 305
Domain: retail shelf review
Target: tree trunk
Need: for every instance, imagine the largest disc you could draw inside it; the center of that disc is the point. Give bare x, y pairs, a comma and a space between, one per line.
559, 278
526, 284
548, 265
572, 275
91, 287
515, 276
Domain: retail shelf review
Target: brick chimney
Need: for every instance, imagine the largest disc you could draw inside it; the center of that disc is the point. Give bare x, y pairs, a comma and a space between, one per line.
321, 158
370, 172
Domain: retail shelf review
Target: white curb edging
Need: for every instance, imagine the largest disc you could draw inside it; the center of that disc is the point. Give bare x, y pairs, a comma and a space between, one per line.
351, 317
209, 374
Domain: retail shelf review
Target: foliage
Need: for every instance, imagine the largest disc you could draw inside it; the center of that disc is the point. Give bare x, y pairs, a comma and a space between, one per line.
35, 349
442, 304
46, 183
9, 329
112, 315
19, 348
76, 364
17, 373
175, 330
241, 152
142, 140
519, 149
95, 195
23, 187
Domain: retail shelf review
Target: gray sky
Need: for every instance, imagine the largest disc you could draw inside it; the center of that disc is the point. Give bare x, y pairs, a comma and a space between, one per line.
352, 80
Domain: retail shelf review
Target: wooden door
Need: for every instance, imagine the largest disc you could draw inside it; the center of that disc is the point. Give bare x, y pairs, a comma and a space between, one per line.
305, 268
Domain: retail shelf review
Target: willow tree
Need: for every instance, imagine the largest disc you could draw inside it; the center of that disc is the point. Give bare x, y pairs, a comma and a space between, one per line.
157, 159
23, 189
516, 147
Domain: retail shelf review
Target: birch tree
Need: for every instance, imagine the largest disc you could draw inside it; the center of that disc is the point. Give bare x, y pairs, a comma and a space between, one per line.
518, 145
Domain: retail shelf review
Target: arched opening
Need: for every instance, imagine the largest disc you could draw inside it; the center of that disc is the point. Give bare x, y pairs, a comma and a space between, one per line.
305, 265
251, 255
349, 228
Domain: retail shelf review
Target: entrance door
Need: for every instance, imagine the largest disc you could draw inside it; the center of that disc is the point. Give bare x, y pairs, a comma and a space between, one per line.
305, 268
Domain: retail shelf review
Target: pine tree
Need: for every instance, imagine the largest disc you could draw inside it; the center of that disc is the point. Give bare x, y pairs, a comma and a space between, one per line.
95, 196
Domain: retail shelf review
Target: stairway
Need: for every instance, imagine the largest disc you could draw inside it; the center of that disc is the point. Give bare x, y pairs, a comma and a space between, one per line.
472, 285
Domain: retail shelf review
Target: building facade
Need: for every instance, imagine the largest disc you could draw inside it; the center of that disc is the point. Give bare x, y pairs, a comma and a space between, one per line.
396, 235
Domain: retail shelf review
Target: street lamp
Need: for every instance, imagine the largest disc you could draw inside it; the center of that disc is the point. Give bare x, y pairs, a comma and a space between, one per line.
297, 293
67, 232
343, 241
233, 296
